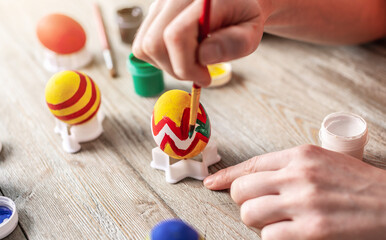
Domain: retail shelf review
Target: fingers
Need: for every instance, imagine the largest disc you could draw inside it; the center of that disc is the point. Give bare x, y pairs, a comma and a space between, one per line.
138, 50
262, 211
281, 231
181, 42
153, 44
231, 43
254, 185
168, 36
267, 162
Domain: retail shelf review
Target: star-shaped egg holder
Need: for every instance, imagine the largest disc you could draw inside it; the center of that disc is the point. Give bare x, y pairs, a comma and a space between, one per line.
186, 167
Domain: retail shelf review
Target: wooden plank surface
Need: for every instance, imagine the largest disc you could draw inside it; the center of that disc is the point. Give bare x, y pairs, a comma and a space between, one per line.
277, 99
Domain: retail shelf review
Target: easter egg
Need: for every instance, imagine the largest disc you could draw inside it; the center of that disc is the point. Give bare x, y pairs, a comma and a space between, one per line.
170, 126
174, 229
72, 97
61, 34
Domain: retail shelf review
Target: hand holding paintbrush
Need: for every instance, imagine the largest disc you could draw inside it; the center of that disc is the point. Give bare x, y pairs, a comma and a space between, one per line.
196, 90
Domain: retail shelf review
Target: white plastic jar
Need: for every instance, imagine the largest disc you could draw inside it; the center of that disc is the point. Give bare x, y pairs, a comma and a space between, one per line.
9, 224
345, 133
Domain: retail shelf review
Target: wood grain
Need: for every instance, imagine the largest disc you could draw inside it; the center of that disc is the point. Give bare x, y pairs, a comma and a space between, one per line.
277, 98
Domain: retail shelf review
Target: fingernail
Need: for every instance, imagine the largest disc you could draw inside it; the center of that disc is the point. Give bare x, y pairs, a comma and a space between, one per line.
210, 53
208, 181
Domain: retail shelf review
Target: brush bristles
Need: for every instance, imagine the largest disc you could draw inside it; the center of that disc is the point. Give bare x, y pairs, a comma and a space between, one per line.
113, 73
191, 130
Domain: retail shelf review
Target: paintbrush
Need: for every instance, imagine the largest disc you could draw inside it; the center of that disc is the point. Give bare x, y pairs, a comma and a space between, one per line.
107, 53
203, 31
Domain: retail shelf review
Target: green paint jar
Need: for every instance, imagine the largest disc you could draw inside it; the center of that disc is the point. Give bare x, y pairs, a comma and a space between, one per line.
148, 80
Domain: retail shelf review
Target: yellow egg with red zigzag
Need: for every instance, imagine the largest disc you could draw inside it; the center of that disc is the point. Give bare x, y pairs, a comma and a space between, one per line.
72, 97
170, 126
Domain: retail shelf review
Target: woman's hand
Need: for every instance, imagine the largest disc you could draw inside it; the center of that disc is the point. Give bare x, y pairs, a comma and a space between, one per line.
308, 193
168, 36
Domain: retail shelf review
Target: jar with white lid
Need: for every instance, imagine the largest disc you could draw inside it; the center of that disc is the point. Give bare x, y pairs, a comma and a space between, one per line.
345, 133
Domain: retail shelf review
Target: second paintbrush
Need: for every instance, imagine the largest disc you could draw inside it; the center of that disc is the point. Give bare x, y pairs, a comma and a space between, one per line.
107, 54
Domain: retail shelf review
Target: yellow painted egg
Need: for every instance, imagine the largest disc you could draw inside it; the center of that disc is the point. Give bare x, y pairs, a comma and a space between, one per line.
170, 126
72, 97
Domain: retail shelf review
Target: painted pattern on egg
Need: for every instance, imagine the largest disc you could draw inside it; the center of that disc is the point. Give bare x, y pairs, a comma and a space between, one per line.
72, 97
75, 99
170, 126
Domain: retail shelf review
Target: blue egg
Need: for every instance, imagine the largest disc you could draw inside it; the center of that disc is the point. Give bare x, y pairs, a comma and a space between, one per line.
173, 229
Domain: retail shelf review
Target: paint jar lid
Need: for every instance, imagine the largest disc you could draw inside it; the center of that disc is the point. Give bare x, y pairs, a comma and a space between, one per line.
137, 66
148, 80
221, 74
8, 216
173, 229
129, 17
343, 132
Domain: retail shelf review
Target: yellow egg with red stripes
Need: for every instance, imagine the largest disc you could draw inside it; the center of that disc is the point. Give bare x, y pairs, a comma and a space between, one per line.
72, 97
170, 126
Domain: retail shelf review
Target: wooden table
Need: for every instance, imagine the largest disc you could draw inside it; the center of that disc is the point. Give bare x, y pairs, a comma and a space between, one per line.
277, 99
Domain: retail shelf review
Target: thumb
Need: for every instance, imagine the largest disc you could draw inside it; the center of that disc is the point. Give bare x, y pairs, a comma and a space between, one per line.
231, 43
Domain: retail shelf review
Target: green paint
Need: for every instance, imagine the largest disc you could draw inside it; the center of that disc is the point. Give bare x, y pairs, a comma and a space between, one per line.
191, 131
148, 80
138, 62
203, 128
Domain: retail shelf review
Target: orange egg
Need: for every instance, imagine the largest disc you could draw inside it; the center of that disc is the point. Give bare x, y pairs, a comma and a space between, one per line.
61, 34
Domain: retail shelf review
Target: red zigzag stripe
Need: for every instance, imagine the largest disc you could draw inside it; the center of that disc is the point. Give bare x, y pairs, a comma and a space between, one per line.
181, 152
181, 132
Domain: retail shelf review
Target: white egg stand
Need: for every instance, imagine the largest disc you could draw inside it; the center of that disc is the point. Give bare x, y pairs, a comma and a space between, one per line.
54, 62
186, 167
72, 136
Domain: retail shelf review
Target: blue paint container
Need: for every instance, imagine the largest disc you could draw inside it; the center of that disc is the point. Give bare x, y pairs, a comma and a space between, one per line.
8, 216
5, 214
